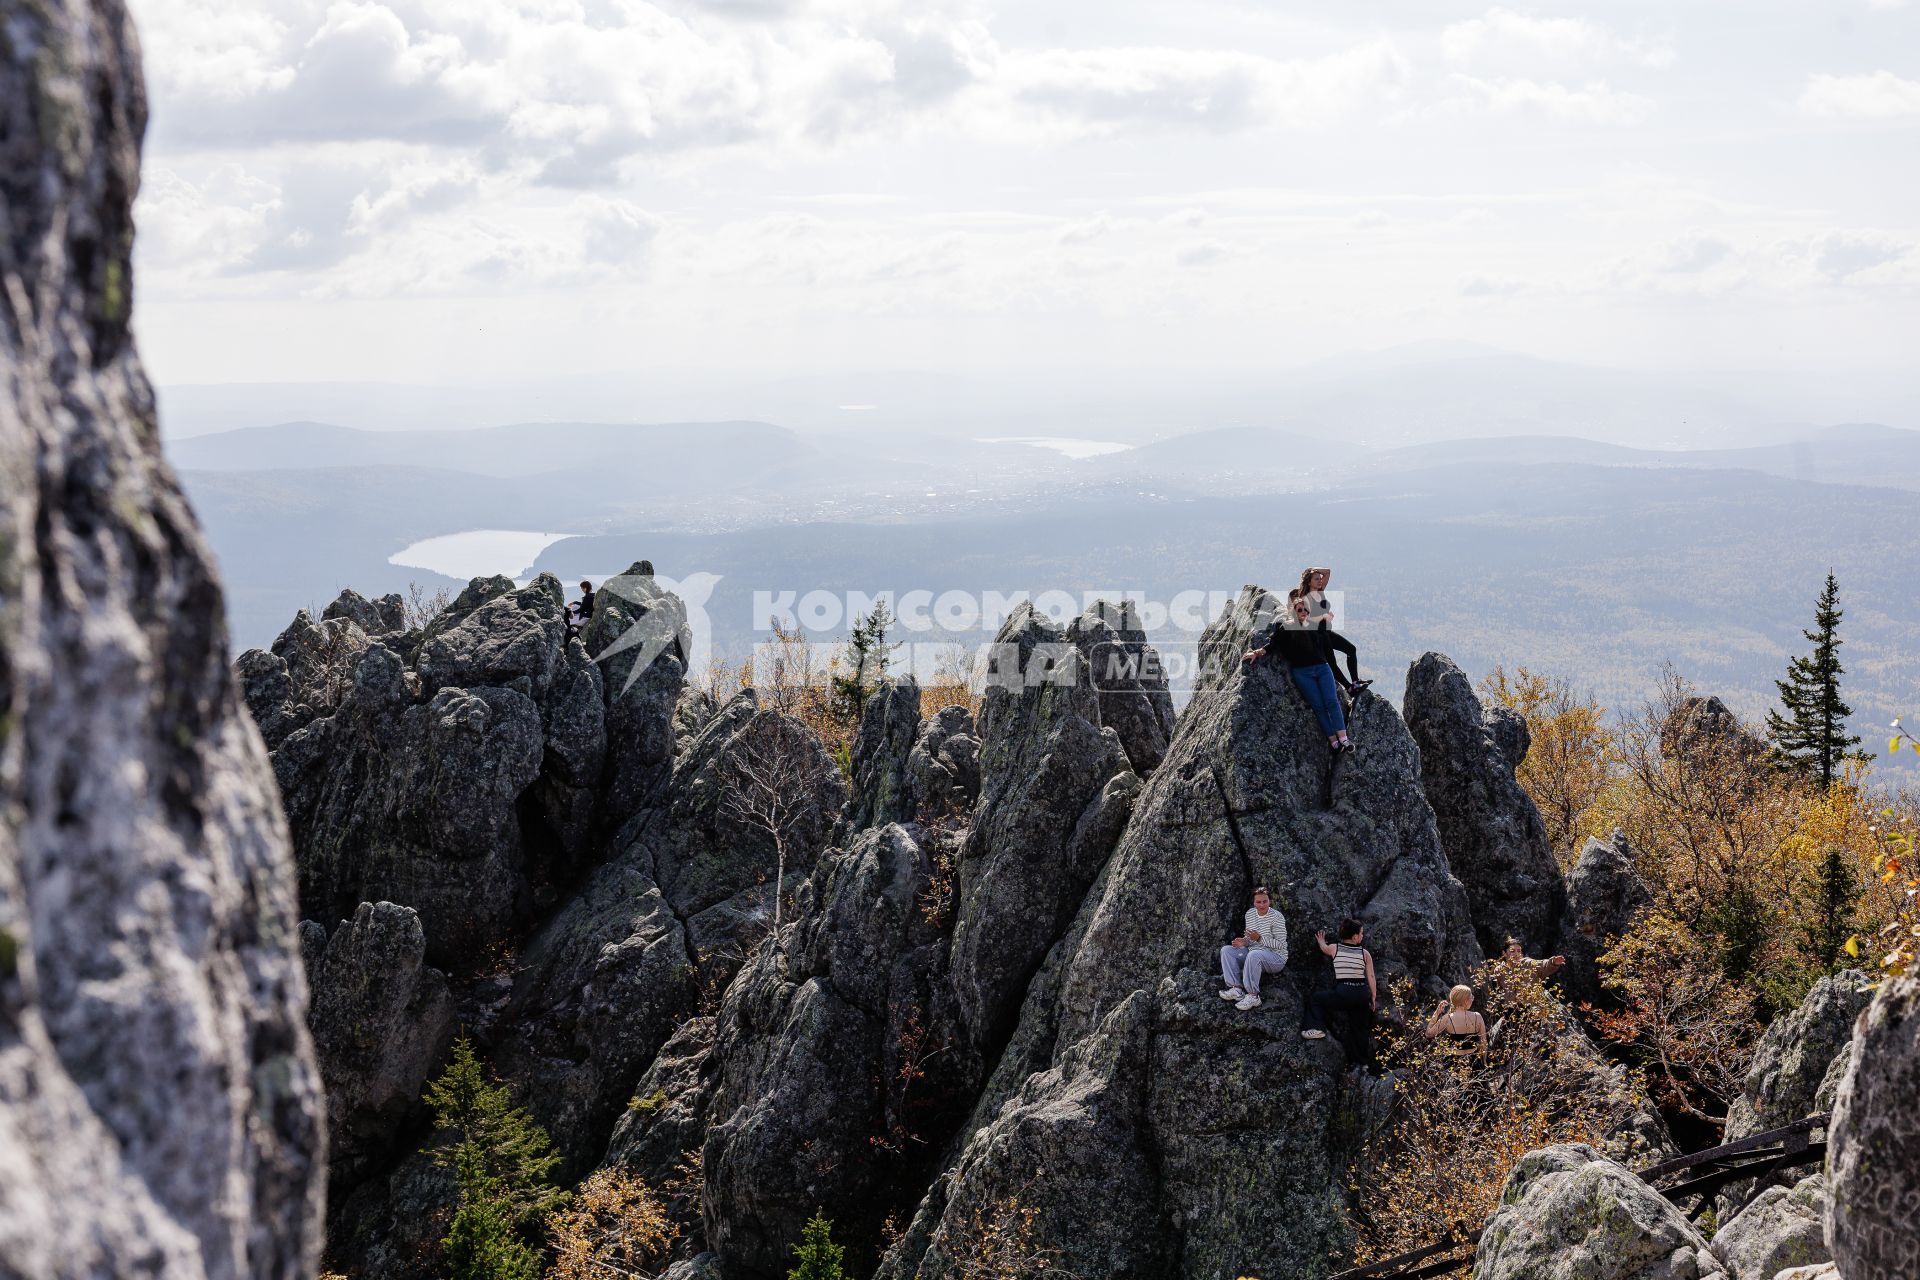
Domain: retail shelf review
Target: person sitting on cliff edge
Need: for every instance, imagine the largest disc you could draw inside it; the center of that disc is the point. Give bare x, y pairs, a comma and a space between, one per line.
1308, 654
580, 612
1260, 949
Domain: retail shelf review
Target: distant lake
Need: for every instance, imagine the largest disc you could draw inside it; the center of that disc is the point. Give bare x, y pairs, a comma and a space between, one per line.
477, 553
1068, 445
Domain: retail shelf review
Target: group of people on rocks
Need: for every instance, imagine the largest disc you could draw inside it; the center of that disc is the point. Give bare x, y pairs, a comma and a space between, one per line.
1353, 995
1303, 638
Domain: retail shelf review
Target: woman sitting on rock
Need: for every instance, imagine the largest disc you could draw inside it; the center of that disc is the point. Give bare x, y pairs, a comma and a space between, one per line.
1309, 657
1313, 589
1260, 949
1457, 1026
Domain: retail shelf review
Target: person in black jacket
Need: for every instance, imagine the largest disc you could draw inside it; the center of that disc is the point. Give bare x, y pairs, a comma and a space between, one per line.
1308, 653
1313, 588
580, 612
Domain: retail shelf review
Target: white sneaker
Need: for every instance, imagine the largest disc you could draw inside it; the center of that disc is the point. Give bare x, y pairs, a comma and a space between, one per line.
1313, 1035
1248, 1001
1233, 993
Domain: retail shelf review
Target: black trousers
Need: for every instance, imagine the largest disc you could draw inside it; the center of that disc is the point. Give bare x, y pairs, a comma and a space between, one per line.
1341, 644
1351, 1000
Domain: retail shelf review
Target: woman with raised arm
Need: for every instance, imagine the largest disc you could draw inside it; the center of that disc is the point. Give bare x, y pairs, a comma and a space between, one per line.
1456, 1025
1309, 659
1313, 589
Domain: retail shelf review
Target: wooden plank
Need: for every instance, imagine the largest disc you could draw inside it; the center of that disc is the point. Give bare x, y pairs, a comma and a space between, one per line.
1711, 1182
1712, 1154
1393, 1264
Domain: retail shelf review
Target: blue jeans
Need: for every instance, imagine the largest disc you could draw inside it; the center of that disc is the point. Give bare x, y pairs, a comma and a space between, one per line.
1316, 686
1243, 967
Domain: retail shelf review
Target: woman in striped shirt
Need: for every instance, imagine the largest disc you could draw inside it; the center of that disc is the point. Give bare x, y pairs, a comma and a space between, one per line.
1260, 949
1353, 993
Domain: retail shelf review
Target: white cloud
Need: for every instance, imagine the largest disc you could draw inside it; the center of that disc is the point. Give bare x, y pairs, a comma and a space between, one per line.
1876, 94
1204, 253
1846, 255
1692, 254
1524, 42
1104, 91
1482, 286
1595, 102
618, 233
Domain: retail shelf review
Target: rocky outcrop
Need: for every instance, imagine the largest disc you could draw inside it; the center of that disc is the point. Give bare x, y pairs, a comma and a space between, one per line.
160, 1111
610, 976
1567, 1213
1038, 836
382, 1021
1781, 1229
639, 636
1079, 1126
415, 802
1125, 674
883, 789
836, 1059
1495, 840
469, 771
1605, 892
383, 617
1795, 1057
945, 764
1873, 1158
1107, 1117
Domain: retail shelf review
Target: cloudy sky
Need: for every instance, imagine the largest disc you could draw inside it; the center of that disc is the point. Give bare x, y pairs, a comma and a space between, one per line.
477, 190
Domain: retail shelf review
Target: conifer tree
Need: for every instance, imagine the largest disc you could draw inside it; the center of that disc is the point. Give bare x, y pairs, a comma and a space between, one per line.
1836, 896
501, 1162
817, 1256
866, 658
1809, 735
482, 1244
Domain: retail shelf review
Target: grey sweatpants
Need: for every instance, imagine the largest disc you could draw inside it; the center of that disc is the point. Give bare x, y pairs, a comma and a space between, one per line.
1243, 966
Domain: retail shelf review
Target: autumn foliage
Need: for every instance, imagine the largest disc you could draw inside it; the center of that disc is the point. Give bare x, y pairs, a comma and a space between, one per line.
1459, 1121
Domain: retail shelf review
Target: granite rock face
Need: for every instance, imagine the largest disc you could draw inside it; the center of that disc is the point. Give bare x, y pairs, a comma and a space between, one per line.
382, 1022
883, 784
1567, 1213
1780, 1230
1045, 761
1873, 1156
1495, 840
1795, 1057
470, 771
160, 1110
1605, 892
604, 983
833, 1054
1125, 674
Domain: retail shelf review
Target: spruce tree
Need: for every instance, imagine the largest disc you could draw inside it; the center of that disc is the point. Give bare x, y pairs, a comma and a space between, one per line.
482, 1244
817, 1256
1810, 735
868, 652
1836, 895
501, 1162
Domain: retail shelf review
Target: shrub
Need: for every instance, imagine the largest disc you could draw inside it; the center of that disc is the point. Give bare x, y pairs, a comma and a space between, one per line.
1458, 1123
1690, 1026
614, 1222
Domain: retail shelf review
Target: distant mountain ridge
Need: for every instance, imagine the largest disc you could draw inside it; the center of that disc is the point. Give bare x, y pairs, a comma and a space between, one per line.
519, 449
